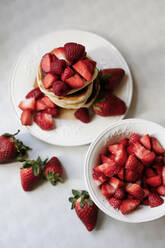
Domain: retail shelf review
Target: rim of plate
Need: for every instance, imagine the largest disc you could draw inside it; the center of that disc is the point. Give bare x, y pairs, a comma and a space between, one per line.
87, 170
22, 53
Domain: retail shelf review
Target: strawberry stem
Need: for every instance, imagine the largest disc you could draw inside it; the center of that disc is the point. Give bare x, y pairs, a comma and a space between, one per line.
83, 196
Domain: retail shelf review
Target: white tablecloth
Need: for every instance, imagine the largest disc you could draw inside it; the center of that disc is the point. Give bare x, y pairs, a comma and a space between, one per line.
42, 218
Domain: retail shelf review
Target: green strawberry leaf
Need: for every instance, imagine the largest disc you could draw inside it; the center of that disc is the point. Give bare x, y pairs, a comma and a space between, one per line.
98, 108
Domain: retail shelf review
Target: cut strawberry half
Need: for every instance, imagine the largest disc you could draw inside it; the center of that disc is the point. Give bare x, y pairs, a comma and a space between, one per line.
156, 146
28, 104
154, 181
120, 153
145, 155
44, 121
75, 81
108, 169
120, 194
146, 193
145, 141
134, 137
67, 73
49, 79
155, 200
85, 69
58, 66
129, 205
116, 183
99, 179
60, 53
60, 88
131, 163
46, 62
35, 93
131, 176
26, 118
121, 174
107, 190
44, 103
115, 203
48, 102
135, 190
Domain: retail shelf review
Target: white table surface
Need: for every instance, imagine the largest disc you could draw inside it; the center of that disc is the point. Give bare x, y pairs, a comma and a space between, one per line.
42, 218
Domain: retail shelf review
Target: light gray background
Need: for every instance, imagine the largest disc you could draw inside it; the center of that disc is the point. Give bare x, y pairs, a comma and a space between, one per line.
137, 28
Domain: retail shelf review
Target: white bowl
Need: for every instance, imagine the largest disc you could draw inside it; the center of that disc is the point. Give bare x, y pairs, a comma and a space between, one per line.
113, 134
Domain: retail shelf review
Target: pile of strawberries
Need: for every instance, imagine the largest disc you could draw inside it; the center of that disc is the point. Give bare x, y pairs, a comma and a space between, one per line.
132, 173
66, 68
39, 107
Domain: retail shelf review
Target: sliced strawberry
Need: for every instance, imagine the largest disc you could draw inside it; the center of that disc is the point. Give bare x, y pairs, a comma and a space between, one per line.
28, 104
58, 66
35, 93
74, 51
106, 159
60, 88
120, 153
163, 175
145, 155
99, 179
131, 176
161, 190
156, 146
120, 194
84, 69
134, 137
129, 205
48, 102
46, 62
82, 114
44, 103
49, 79
149, 173
116, 183
154, 181
75, 81
52, 111
115, 203
111, 78
155, 200
26, 118
108, 169
145, 141
107, 190
60, 53
121, 174
131, 163
67, 73
135, 190
44, 121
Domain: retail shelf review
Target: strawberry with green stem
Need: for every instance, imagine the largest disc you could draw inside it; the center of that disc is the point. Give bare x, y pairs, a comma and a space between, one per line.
11, 148
53, 171
31, 173
85, 208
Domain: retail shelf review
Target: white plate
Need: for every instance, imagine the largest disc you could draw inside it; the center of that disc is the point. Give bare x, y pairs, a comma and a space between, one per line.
68, 132
111, 135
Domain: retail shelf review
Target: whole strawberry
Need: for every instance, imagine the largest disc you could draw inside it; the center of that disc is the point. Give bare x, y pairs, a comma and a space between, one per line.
11, 148
85, 208
53, 171
31, 173
111, 77
109, 105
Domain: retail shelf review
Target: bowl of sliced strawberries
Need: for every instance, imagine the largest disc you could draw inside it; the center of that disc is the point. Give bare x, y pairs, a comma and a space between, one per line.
125, 171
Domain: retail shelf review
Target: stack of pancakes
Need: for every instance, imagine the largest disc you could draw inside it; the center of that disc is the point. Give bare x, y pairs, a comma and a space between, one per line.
77, 97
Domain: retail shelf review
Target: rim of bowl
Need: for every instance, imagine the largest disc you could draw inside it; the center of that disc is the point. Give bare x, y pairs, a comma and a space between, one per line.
86, 170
